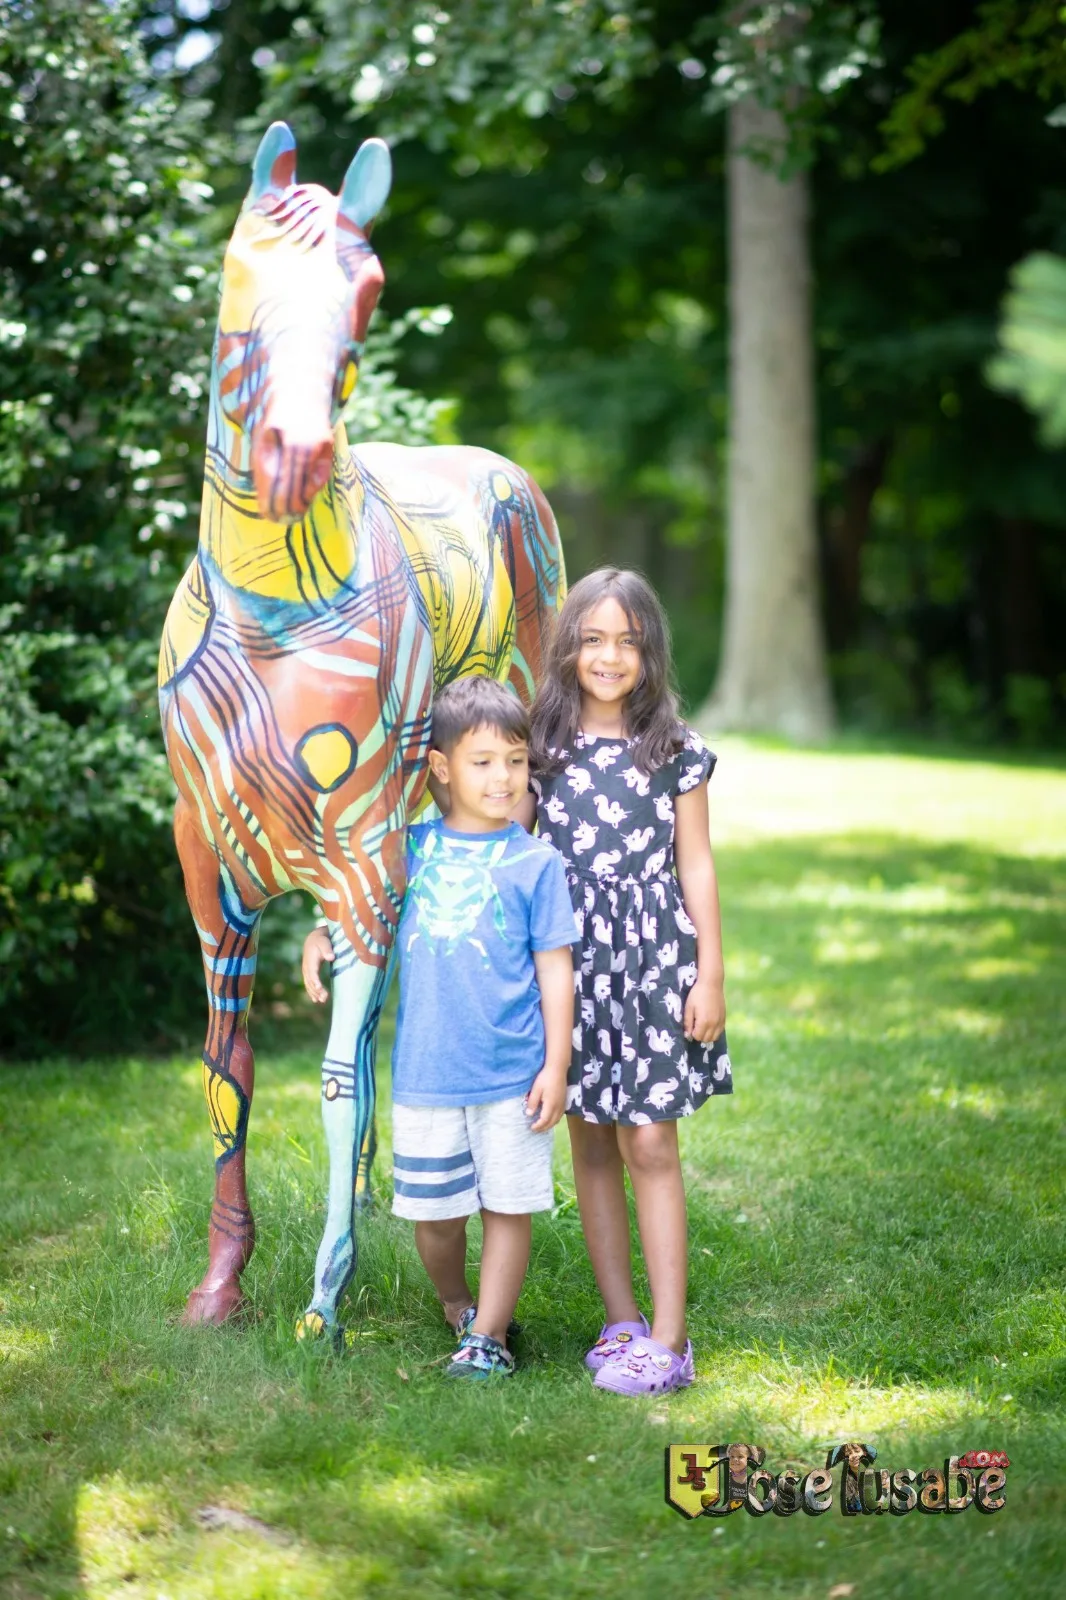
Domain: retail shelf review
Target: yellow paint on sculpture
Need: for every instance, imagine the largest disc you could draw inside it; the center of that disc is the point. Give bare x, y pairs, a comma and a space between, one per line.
327, 755
224, 1109
298, 562
187, 619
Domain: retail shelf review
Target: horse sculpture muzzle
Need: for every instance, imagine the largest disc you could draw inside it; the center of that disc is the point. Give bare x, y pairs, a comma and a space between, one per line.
291, 462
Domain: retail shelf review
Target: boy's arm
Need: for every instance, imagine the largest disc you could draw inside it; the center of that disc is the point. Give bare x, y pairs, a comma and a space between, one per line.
555, 979
705, 1005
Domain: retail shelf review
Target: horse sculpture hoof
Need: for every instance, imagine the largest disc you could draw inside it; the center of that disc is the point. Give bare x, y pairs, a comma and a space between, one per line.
313, 1325
213, 1306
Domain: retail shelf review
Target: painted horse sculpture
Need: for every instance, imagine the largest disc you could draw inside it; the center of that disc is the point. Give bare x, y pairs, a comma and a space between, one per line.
333, 589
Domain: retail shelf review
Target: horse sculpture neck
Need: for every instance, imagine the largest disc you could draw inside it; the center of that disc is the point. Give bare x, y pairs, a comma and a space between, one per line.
304, 563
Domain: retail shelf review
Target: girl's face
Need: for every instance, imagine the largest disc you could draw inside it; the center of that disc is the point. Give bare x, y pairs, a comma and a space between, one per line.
608, 663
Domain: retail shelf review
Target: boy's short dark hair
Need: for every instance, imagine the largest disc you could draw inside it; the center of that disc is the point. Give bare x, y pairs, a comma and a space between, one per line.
469, 703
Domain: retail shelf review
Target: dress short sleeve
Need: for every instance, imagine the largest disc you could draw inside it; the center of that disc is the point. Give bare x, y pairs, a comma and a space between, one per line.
694, 763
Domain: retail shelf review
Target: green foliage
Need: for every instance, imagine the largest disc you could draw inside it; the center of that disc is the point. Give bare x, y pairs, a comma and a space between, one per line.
438, 73
791, 57
383, 408
1032, 360
1021, 43
105, 296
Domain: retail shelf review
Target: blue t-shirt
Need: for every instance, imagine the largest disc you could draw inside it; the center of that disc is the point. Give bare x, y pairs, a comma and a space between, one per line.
470, 1028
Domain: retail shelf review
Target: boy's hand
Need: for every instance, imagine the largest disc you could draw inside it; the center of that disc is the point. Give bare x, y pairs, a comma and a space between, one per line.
317, 948
547, 1096
705, 1010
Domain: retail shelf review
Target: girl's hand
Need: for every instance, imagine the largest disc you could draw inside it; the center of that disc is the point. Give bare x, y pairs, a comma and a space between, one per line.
705, 1010
317, 948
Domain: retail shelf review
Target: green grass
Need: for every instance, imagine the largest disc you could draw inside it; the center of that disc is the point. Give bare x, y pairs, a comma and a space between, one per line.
877, 1252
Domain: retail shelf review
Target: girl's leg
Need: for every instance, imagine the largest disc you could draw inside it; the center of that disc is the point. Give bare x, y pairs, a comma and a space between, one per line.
599, 1178
504, 1259
442, 1246
653, 1160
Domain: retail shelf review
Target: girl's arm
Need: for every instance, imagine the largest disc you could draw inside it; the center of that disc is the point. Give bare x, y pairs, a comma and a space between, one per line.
525, 812
705, 1005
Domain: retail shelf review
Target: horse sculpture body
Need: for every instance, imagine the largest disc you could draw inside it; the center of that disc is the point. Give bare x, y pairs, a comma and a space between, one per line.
332, 590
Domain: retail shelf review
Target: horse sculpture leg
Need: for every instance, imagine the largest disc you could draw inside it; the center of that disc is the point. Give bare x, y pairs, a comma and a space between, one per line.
348, 1118
229, 932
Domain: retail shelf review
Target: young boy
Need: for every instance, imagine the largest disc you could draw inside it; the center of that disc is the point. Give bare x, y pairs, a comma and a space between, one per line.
483, 1036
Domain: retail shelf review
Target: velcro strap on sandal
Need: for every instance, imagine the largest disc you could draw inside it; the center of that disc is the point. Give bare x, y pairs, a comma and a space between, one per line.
485, 1351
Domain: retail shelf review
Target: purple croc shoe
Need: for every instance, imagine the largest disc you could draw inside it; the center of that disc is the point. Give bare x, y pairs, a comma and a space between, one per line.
646, 1367
615, 1336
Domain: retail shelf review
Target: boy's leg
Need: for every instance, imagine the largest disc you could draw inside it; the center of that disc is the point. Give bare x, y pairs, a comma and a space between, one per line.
514, 1178
599, 1178
504, 1259
442, 1247
435, 1187
653, 1160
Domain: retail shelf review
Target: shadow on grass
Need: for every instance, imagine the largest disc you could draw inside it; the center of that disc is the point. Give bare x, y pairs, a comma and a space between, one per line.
877, 1251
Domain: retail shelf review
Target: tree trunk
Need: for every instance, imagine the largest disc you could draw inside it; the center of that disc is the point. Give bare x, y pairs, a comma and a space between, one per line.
773, 674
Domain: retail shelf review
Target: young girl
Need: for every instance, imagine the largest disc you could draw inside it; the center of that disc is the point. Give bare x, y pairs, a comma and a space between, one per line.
621, 791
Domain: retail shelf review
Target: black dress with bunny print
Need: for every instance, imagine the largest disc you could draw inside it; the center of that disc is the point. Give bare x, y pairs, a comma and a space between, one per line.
614, 827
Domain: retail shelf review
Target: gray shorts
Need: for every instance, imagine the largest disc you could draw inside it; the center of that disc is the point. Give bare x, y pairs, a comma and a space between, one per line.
450, 1161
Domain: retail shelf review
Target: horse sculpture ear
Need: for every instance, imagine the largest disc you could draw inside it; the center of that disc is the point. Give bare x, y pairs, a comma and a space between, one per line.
366, 183
274, 167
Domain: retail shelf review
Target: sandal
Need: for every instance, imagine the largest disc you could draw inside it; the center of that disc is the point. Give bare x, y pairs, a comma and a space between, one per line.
646, 1367
467, 1318
480, 1356
613, 1336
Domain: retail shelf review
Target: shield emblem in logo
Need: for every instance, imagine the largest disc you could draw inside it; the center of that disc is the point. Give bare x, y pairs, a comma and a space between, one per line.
693, 1478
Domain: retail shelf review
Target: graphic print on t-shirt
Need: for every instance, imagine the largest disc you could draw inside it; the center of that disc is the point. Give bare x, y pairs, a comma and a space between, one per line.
450, 892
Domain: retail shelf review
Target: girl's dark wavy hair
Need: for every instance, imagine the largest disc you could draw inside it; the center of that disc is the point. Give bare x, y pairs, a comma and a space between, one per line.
652, 717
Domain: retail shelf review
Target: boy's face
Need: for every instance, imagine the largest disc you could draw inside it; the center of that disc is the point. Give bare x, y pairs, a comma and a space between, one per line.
486, 773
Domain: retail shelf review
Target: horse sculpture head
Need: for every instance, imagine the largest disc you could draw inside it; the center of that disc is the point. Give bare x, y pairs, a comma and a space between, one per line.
299, 284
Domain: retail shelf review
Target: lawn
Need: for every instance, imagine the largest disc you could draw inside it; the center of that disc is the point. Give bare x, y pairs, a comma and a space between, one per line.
877, 1244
